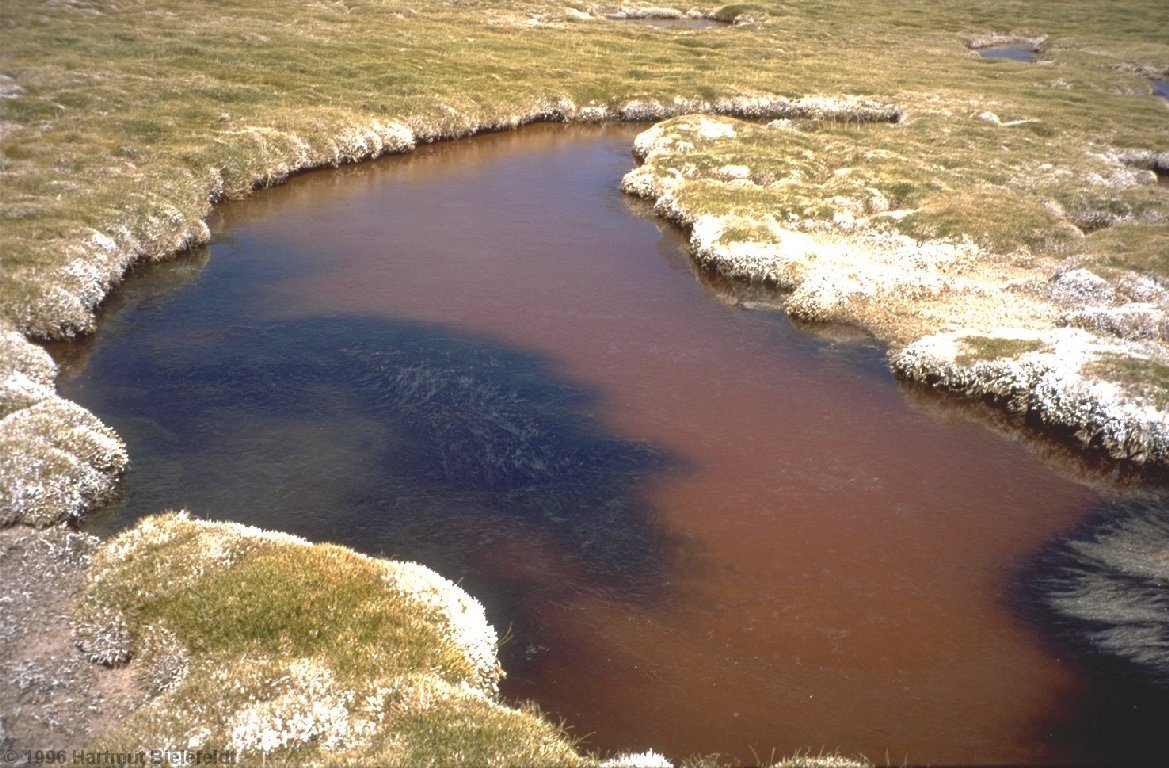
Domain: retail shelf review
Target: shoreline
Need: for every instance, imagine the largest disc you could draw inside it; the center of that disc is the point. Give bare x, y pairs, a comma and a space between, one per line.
825, 200
1060, 358
83, 464
1051, 371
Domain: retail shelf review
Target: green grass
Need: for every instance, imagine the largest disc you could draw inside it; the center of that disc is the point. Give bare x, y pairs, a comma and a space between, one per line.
754, 11
1144, 248
976, 348
1143, 378
292, 652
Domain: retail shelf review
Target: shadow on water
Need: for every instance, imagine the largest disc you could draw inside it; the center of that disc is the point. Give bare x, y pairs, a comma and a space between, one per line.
393, 437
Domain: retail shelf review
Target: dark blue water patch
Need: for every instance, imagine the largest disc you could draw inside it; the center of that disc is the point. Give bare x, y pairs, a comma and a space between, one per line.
395, 438
1161, 88
1023, 53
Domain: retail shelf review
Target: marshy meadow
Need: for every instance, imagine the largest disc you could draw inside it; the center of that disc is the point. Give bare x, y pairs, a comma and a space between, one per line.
467, 382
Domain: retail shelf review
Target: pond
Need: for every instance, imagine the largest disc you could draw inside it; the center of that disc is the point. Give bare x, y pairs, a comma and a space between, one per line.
1022, 52
702, 528
673, 22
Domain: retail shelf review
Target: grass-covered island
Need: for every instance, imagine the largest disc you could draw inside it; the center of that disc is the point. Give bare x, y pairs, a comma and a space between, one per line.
1003, 226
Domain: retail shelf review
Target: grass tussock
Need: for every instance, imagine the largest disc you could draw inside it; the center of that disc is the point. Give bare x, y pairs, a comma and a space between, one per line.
57, 460
294, 653
977, 348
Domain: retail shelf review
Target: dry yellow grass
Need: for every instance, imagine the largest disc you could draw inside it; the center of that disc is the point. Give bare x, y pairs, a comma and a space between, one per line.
123, 121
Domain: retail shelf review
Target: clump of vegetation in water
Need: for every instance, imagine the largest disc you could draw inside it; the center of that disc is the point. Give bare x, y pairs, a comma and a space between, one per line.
1106, 586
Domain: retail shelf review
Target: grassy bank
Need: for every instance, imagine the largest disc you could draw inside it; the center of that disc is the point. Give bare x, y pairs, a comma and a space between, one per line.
279, 650
940, 192
234, 639
123, 121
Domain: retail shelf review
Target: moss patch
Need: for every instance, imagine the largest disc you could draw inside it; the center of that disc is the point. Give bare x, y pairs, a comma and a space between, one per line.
980, 348
1139, 377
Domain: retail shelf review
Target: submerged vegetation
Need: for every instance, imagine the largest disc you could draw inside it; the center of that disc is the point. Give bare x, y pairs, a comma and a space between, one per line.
1107, 584
999, 223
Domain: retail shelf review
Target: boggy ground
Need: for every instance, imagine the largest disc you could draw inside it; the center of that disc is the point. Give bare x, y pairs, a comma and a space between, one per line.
1000, 224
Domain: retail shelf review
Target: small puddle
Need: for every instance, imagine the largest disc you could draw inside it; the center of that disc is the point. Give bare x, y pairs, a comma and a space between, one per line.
704, 529
1161, 88
1024, 53
683, 22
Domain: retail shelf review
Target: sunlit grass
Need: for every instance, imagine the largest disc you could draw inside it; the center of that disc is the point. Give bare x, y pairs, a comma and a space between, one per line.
290, 653
990, 348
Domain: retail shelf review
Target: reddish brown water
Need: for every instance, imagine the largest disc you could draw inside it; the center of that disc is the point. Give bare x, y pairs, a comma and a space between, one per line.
833, 565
